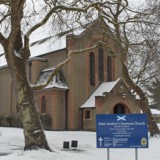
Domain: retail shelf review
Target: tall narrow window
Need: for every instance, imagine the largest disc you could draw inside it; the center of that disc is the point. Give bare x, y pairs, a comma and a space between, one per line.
92, 69
43, 105
101, 64
109, 68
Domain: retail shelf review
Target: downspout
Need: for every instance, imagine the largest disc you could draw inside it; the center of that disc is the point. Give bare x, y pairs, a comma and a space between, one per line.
82, 127
30, 72
10, 99
66, 110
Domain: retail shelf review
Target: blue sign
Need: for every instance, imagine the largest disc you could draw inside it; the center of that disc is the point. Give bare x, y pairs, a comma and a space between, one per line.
121, 131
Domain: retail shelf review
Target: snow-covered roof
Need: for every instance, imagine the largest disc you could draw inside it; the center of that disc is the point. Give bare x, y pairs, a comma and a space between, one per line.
47, 45
37, 59
155, 111
57, 81
104, 87
41, 43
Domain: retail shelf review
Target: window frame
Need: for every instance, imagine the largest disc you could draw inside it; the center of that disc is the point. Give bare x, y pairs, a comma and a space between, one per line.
109, 69
92, 68
43, 104
101, 64
87, 114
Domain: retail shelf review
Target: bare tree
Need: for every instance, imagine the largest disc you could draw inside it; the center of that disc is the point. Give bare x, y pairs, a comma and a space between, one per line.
132, 29
147, 75
144, 64
17, 23
16, 55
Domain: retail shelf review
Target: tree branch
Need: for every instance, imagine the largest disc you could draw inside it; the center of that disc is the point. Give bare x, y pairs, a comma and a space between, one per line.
4, 17
1, 54
17, 15
2, 39
60, 8
49, 14
5, 2
59, 66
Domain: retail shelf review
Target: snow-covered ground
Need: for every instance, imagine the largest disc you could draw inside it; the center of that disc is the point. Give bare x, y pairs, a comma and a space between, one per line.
12, 142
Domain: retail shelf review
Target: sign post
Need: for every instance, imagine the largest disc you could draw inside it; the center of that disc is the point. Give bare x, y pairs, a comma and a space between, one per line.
108, 154
136, 153
122, 131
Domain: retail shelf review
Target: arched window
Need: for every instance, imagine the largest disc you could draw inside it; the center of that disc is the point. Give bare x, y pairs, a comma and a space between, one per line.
43, 104
101, 64
92, 69
119, 109
109, 68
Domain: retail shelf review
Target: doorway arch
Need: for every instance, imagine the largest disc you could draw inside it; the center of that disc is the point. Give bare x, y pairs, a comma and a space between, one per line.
120, 109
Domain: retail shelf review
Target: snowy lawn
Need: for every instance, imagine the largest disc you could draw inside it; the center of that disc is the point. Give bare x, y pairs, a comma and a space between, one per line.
12, 142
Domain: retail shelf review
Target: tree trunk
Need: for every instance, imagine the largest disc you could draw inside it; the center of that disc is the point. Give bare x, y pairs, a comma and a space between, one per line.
153, 127
30, 117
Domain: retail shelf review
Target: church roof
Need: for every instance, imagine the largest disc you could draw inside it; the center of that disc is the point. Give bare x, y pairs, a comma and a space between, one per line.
42, 44
155, 111
57, 81
104, 87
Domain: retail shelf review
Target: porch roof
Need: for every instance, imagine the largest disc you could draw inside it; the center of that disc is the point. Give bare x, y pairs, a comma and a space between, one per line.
155, 111
104, 87
57, 81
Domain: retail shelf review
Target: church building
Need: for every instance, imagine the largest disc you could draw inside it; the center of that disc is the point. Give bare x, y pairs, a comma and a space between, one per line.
90, 83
